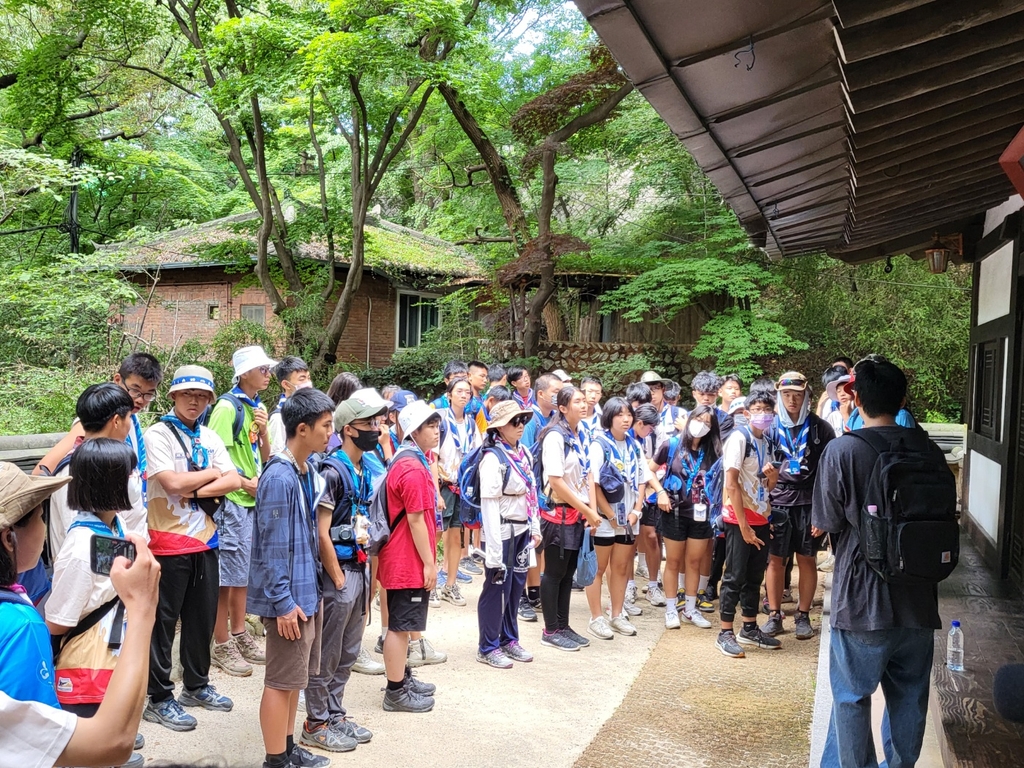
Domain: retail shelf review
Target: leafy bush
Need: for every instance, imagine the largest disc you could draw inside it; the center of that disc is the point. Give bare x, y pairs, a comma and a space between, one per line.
41, 400
616, 375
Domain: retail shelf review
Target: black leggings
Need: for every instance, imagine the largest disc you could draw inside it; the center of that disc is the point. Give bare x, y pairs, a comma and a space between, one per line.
556, 586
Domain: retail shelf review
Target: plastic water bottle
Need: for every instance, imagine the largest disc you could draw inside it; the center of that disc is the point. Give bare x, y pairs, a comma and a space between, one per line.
955, 648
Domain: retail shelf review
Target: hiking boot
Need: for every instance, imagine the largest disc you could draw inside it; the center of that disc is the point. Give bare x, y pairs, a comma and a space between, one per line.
697, 619
249, 649
453, 595
434, 601
351, 729
468, 565
671, 620
600, 628
365, 665
421, 653
228, 657
575, 636
727, 644
526, 611
322, 736
704, 604
557, 640
207, 698
804, 630
758, 638
621, 625
641, 571
140, 742
418, 686
406, 700
303, 758
169, 714
516, 652
773, 626
495, 658
656, 597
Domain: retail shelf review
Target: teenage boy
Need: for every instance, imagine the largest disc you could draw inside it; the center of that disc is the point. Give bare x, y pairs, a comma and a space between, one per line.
351, 484
732, 388
284, 581
548, 386
478, 378
645, 425
519, 383
750, 478
240, 419
592, 392
452, 369
882, 634
799, 437
496, 376
406, 567
292, 374
187, 462
705, 388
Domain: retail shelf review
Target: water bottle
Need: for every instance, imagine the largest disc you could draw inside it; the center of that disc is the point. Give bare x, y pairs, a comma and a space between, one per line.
955, 648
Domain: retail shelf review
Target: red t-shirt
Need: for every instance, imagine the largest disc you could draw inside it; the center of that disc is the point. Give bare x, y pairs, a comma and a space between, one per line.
410, 487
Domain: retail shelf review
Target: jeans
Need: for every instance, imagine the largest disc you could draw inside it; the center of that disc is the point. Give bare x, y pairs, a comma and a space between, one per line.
901, 661
556, 586
496, 611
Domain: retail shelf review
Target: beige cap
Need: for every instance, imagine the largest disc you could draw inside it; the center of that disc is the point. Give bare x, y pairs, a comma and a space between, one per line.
20, 493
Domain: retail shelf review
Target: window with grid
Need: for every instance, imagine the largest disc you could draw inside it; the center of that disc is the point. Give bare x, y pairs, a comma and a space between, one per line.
988, 399
255, 313
417, 314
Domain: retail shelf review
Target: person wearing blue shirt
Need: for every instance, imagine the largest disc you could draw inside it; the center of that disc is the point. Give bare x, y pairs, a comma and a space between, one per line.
903, 419
547, 387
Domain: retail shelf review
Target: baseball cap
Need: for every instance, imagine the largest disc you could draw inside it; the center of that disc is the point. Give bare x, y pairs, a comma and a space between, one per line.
791, 380
402, 398
192, 377
561, 375
363, 404
413, 416
737, 405
246, 359
20, 493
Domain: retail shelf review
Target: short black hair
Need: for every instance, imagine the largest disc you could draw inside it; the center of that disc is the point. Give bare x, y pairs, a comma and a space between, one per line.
844, 360
646, 414
762, 384
498, 394
304, 407
834, 373
515, 372
760, 397
143, 365
638, 392
672, 390
454, 367
100, 470
288, 366
613, 408
880, 386
343, 386
478, 364
99, 403
706, 382
733, 377
544, 382
495, 372
591, 380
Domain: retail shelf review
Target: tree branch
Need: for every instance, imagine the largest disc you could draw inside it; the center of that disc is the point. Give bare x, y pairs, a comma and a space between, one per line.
414, 118
594, 116
481, 239
329, 288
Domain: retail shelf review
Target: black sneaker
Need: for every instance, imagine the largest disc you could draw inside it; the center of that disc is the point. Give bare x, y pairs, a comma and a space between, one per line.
727, 644
576, 586
575, 636
804, 630
379, 647
303, 758
773, 626
418, 686
526, 611
406, 700
557, 640
756, 637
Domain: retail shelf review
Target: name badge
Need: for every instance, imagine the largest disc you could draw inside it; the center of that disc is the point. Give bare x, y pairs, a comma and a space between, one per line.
620, 514
700, 513
794, 466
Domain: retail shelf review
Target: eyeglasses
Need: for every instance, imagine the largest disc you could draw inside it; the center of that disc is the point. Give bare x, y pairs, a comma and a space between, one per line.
368, 423
520, 420
264, 369
138, 394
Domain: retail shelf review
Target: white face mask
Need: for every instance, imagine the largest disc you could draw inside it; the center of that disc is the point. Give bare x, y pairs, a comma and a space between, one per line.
698, 429
304, 385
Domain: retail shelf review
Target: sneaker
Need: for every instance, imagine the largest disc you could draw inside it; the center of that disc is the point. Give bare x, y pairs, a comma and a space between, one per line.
804, 630
704, 603
656, 597
478, 555
302, 701
169, 714
417, 686
557, 640
463, 578
526, 611
469, 565
576, 586
516, 652
135, 761
322, 736
671, 620
140, 742
495, 658
421, 653
207, 698
773, 626
680, 600
303, 758
727, 644
632, 609
710, 594
379, 645
406, 700
631, 593
697, 619
352, 729
229, 658
453, 595
575, 636
765, 608
249, 648
758, 638
826, 565
600, 628
621, 625
434, 601
442, 578
641, 571
787, 596
366, 665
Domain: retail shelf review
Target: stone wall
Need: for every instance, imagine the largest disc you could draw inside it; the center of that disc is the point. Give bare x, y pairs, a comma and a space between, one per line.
671, 361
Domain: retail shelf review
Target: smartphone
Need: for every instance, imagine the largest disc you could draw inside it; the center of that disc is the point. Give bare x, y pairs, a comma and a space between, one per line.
105, 549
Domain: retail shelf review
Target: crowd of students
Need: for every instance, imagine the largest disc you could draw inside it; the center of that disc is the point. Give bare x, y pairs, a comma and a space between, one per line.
307, 513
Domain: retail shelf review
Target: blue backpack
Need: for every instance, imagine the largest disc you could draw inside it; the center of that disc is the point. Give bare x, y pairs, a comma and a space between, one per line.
469, 483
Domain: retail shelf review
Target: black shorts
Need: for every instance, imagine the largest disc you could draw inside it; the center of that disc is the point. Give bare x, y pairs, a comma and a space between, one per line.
791, 533
607, 541
407, 610
450, 515
651, 515
680, 528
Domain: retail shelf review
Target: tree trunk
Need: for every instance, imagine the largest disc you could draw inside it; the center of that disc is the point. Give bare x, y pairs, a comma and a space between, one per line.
554, 322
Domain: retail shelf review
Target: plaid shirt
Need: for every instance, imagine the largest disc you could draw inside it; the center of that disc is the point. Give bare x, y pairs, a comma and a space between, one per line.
285, 568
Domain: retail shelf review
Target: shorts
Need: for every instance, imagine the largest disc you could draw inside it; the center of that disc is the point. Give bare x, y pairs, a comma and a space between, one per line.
291, 662
680, 528
791, 533
651, 515
234, 534
407, 609
607, 541
565, 536
450, 515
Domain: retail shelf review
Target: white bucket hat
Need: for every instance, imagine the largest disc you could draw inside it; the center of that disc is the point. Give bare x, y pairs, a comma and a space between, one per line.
414, 415
192, 377
248, 358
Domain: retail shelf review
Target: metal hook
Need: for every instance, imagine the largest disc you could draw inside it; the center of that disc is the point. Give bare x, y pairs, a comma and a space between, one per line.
749, 49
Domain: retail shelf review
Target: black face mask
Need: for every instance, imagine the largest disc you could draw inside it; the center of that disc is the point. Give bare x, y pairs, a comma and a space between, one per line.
366, 439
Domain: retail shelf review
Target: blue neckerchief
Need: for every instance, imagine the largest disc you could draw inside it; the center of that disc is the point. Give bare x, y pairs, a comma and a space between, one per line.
524, 402
140, 448
200, 456
576, 444
410, 446
280, 400
94, 524
633, 468
453, 430
793, 451
362, 482
254, 404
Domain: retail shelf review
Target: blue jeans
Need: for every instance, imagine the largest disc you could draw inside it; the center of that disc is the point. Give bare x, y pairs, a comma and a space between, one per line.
901, 661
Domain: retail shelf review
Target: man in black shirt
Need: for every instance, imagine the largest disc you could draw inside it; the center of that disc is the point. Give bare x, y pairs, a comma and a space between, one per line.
881, 633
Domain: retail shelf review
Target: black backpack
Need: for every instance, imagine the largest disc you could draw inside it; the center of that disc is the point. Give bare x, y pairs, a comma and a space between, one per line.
236, 424
544, 489
912, 535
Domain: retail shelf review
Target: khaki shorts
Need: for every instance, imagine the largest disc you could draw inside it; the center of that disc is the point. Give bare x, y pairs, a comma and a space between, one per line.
291, 662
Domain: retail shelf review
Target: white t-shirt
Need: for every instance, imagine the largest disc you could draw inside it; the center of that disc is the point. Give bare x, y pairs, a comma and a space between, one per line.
634, 469
755, 493
460, 439
32, 734
275, 428
497, 507
77, 591
572, 467
61, 516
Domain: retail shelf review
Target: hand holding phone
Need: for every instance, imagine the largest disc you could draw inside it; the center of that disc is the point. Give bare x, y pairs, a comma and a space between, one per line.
105, 549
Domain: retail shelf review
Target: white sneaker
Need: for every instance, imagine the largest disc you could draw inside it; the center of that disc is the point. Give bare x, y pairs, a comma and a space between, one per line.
631, 609
434, 601
621, 625
641, 571
671, 620
697, 619
366, 664
631, 593
600, 628
655, 596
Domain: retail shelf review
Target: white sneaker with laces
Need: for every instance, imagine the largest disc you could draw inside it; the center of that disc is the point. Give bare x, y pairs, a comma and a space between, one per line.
655, 596
641, 571
697, 619
621, 625
600, 628
671, 620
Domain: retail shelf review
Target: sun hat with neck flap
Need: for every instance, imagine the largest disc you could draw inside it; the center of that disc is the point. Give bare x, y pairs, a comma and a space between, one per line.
21, 493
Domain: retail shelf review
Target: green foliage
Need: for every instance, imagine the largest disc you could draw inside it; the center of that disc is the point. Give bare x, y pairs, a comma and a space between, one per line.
732, 339
42, 400
616, 375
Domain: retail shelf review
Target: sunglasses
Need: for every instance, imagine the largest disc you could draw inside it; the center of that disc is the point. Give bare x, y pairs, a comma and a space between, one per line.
520, 420
792, 383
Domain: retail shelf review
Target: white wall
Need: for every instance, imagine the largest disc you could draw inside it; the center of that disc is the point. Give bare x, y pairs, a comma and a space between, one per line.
994, 283
983, 501
994, 216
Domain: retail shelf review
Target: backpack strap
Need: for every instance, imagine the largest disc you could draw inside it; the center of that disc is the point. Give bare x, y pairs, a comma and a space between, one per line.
192, 467
236, 425
57, 642
673, 447
876, 441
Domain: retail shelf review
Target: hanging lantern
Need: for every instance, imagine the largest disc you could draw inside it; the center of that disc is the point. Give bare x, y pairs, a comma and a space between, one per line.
939, 252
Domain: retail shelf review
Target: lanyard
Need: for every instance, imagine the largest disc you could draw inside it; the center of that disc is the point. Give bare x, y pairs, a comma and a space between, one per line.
794, 451
140, 450
360, 480
691, 467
